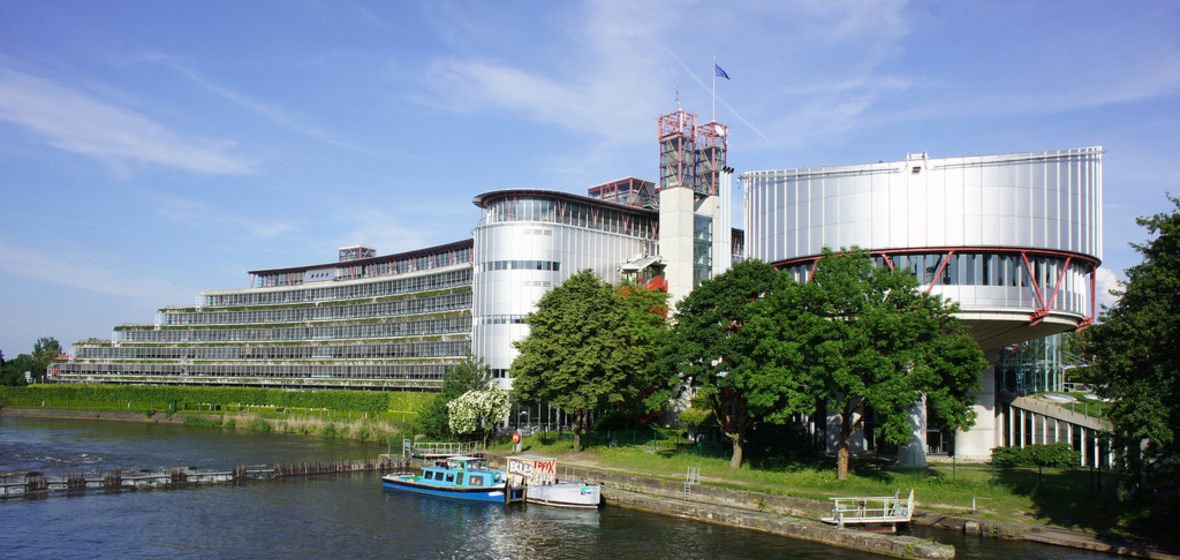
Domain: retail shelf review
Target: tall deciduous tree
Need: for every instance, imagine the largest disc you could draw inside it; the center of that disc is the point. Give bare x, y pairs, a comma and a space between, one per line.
647, 313
44, 351
737, 341
884, 345
468, 375
1136, 348
581, 352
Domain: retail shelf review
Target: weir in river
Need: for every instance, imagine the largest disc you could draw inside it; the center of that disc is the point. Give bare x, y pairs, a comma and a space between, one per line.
40, 484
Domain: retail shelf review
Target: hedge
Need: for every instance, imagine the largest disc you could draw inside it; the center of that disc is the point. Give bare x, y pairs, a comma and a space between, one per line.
356, 401
1059, 455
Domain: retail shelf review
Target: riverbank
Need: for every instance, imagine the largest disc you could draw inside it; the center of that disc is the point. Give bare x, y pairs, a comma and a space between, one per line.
157, 418
798, 517
360, 429
749, 509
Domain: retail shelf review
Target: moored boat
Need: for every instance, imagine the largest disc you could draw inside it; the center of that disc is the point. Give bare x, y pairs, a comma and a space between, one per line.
461, 477
542, 487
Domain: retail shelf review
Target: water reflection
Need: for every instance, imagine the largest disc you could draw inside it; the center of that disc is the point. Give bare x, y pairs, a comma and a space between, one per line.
340, 516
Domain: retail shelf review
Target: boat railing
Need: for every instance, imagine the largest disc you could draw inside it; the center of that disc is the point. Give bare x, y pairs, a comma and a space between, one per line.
437, 449
863, 510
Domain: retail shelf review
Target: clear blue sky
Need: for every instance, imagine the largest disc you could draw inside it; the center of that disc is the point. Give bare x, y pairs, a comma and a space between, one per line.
150, 150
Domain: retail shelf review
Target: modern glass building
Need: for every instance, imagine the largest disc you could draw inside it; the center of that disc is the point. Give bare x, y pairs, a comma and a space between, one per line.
391, 322
529, 241
1015, 239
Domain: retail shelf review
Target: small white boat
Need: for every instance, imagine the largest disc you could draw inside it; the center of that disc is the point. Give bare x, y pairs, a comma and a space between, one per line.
539, 474
564, 494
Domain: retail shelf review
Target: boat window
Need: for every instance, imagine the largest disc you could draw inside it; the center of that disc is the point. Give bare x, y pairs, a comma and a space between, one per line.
450, 477
475, 480
429, 475
497, 479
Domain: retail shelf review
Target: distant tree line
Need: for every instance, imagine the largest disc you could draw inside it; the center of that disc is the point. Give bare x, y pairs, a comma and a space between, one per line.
12, 372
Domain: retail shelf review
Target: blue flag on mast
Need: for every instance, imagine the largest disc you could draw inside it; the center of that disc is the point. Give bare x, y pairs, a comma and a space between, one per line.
717, 71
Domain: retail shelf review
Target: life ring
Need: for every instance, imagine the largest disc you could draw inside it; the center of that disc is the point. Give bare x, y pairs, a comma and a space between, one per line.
515, 437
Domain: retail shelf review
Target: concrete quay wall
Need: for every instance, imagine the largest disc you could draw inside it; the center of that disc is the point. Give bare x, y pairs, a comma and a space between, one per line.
777, 524
787, 516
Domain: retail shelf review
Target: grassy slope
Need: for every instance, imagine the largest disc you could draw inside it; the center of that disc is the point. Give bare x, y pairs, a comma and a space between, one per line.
1064, 498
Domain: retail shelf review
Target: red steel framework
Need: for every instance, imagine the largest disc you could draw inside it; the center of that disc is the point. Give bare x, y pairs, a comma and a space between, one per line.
711, 156
1041, 310
691, 156
677, 149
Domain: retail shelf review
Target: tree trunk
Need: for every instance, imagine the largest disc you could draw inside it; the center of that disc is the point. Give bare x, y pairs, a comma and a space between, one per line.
578, 431
842, 454
736, 462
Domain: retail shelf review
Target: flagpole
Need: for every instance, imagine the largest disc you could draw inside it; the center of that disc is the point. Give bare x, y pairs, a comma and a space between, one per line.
714, 88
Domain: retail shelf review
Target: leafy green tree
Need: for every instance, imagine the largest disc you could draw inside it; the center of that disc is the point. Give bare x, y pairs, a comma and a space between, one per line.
468, 375
44, 351
738, 341
476, 411
883, 344
13, 371
647, 313
1136, 349
581, 352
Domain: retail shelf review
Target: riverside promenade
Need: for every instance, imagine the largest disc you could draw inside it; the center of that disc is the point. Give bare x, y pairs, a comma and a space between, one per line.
799, 518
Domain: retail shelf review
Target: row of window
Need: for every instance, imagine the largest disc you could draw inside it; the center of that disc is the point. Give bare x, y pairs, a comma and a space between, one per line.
571, 213
500, 320
444, 280
425, 372
345, 271
977, 269
446, 325
551, 266
432, 349
410, 306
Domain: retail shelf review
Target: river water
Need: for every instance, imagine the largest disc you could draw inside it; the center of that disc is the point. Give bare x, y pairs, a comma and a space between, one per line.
338, 516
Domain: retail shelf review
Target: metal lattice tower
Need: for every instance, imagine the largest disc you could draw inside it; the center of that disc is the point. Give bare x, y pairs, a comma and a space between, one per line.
691, 156
677, 150
711, 150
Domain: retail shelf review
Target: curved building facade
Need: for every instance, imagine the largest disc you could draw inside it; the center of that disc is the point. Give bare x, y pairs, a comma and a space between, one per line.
1015, 239
530, 241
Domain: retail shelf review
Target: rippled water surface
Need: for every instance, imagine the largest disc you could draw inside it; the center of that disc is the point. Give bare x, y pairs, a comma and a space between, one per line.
337, 516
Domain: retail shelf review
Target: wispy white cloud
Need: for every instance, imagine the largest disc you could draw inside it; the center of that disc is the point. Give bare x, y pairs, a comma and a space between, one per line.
387, 232
275, 113
614, 95
1105, 281
630, 56
1149, 77
71, 120
198, 214
80, 272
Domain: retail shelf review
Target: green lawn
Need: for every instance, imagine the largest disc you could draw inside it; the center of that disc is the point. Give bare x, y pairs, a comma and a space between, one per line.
1066, 498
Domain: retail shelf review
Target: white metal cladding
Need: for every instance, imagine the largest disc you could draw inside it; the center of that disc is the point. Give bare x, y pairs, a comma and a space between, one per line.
505, 291
1048, 200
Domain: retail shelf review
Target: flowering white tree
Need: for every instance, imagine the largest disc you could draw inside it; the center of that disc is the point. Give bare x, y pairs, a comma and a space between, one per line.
475, 411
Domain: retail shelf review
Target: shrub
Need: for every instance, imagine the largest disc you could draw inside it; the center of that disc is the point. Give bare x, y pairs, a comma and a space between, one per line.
1059, 455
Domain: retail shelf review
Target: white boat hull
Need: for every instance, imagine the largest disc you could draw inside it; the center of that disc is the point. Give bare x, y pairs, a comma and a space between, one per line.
565, 494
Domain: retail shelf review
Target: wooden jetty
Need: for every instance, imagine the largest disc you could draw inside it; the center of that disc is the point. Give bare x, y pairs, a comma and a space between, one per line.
38, 484
873, 513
